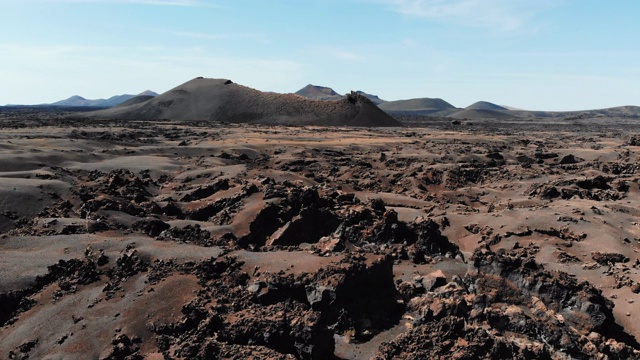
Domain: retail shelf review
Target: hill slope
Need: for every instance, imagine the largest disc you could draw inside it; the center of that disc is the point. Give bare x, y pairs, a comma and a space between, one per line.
136, 100
422, 106
115, 100
222, 100
482, 114
485, 105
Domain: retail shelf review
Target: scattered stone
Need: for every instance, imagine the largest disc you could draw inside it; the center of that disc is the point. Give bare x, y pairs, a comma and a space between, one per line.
569, 159
434, 280
608, 258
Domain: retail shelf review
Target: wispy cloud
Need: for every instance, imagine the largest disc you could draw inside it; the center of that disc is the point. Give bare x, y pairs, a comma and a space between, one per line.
210, 36
67, 67
544, 76
36, 52
346, 55
158, 2
409, 42
337, 53
501, 15
632, 71
163, 2
184, 3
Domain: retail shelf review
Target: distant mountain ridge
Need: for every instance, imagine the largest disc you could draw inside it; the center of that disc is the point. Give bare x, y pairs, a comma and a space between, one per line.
421, 107
77, 100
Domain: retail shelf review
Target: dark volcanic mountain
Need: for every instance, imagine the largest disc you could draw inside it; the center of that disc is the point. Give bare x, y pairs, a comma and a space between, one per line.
222, 100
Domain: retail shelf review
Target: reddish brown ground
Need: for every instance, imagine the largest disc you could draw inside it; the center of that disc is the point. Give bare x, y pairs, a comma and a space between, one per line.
187, 240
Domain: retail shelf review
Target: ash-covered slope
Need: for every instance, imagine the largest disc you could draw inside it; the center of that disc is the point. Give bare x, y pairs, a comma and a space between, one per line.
223, 100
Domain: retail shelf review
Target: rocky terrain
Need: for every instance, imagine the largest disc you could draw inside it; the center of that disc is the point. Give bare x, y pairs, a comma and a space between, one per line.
201, 240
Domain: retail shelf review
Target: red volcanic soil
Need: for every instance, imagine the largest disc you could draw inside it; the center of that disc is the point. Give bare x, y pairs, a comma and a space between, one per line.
199, 240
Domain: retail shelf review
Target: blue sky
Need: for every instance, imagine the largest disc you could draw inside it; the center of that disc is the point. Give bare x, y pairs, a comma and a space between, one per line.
534, 54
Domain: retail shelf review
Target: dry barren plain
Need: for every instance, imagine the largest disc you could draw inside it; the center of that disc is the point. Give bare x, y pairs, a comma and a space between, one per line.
200, 240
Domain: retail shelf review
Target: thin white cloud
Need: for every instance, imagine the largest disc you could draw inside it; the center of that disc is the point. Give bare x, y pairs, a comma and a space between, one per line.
158, 2
502, 15
346, 55
337, 53
546, 76
184, 3
409, 42
35, 53
163, 2
112, 69
632, 71
210, 36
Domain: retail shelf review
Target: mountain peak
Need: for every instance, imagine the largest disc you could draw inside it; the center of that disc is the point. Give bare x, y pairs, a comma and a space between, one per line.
316, 91
75, 100
148, 93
